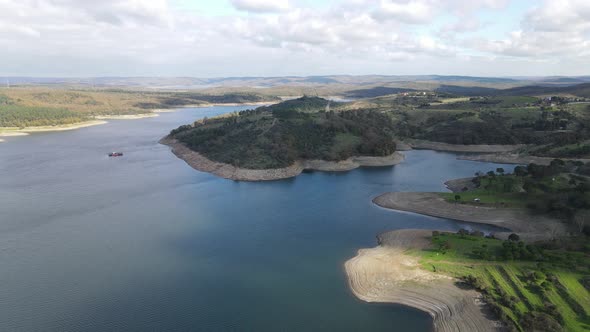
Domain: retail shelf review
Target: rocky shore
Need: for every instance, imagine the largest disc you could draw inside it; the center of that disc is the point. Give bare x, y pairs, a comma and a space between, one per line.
388, 274
227, 171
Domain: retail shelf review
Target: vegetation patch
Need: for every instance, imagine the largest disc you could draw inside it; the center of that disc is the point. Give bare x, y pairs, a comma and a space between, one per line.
276, 136
23, 116
560, 189
537, 286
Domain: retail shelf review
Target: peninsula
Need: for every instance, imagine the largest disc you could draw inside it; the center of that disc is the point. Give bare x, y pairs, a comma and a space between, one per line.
29, 109
533, 276
282, 140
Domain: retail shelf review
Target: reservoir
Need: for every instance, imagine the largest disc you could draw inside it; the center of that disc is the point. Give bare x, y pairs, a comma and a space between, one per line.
145, 242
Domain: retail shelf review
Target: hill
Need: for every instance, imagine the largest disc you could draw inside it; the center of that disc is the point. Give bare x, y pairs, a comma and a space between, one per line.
276, 136
43, 106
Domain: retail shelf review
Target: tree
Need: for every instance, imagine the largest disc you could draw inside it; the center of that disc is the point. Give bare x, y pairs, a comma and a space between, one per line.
463, 232
444, 247
580, 221
514, 237
500, 170
520, 171
457, 198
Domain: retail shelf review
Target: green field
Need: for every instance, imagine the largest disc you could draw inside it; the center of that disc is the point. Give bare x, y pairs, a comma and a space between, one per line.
560, 189
541, 289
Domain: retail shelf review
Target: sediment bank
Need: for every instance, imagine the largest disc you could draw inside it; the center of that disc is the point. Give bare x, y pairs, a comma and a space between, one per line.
458, 185
529, 227
127, 116
481, 148
13, 131
227, 171
514, 158
387, 274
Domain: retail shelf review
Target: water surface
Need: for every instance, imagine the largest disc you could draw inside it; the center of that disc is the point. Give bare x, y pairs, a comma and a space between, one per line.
144, 242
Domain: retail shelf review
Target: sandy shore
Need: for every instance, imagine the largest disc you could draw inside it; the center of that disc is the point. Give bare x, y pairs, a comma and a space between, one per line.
438, 146
227, 171
387, 274
529, 227
9, 131
514, 158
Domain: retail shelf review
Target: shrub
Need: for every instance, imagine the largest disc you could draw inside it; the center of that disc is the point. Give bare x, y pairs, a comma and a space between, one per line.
513, 237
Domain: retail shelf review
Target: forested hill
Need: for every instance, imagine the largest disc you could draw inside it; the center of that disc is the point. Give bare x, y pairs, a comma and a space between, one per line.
37, 106
278, 135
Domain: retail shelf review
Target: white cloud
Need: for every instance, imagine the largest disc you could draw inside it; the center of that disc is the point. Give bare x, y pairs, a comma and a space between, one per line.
134, 37
407, 12
557, 28
261, 6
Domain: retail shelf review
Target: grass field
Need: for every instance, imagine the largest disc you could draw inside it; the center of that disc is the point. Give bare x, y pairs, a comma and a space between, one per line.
518, 289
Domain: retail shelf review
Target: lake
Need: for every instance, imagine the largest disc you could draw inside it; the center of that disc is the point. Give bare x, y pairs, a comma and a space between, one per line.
144, 242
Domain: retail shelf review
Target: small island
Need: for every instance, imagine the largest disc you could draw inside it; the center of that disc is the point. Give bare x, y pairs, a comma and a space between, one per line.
282, 140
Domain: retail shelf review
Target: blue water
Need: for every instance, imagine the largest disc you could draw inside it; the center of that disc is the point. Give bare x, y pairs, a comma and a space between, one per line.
144, 242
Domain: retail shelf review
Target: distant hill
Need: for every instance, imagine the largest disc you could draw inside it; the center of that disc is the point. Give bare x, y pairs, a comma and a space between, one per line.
580, 90
467, 90
252, 81
375, 92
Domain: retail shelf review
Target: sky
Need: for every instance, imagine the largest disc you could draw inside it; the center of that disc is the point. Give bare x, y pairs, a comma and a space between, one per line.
220, 38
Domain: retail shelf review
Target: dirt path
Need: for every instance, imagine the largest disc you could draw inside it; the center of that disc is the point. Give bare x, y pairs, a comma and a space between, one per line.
386, 274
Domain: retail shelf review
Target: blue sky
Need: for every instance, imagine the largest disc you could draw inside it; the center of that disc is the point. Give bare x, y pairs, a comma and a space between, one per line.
294, 37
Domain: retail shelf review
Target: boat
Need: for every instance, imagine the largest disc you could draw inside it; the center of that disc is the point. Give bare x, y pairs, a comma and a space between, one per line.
116, 154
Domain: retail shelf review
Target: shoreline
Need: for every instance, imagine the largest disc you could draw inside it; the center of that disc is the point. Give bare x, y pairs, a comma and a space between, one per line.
529, 227
446, 147
503, 154
227, 171
127, 116
14, 131
387, 274
515, 158
100, 119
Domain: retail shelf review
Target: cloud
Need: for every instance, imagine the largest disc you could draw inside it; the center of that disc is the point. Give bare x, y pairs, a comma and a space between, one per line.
123, 37
553, 29
261, 6
412, 12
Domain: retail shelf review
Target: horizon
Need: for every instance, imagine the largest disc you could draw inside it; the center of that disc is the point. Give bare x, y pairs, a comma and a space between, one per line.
530, 77
256, 38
